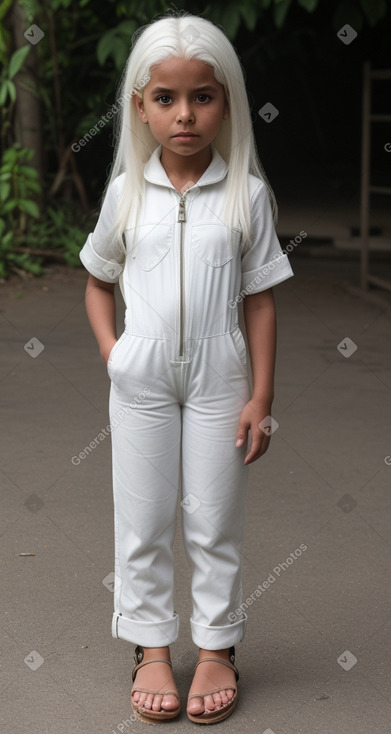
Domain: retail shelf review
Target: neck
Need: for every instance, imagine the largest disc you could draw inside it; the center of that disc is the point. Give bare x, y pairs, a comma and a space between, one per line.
190, 167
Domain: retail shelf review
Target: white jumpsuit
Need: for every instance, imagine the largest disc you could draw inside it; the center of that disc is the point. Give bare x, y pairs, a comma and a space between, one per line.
178, 384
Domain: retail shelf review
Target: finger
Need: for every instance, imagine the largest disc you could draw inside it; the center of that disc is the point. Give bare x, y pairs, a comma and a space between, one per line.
259, 446
242, 434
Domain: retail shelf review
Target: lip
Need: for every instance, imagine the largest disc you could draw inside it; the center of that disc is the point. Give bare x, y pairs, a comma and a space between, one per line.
185, 135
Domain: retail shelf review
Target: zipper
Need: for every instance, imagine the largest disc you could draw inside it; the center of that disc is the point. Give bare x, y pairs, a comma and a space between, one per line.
181, 219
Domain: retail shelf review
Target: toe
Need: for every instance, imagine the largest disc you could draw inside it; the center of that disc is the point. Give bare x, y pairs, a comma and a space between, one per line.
169, 702
196, 706
217, 700
149, 701
156, 703
224, 698
209, 703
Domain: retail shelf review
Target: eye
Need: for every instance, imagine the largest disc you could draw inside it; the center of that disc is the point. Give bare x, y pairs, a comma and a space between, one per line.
163, 96
207, 97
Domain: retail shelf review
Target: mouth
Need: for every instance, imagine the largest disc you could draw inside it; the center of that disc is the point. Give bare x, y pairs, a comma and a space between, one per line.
185, 135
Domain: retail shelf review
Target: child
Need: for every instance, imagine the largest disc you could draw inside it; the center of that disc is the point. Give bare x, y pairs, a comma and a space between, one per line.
187, 229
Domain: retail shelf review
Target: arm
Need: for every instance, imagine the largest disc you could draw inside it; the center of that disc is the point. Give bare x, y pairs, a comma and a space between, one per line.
260, 319
100, 307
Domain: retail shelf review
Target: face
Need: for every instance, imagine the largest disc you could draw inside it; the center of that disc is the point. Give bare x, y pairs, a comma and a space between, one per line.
182, 96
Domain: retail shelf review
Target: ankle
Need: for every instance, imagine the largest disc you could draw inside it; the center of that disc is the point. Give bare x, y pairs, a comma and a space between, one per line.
222, 653
156, 652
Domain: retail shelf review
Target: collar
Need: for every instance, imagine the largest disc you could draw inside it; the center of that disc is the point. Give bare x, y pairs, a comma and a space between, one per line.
155, 173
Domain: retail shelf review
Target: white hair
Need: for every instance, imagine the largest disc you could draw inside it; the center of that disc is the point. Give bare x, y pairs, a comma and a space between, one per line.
190, 37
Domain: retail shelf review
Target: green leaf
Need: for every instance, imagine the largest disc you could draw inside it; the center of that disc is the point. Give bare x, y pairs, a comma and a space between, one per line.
3, 93
120, 53
29, 171
230, 21
106, 46
5, 189
29, 207
308, 5
34, 186
280, 11
249, 15
374, 10
11, 90
10, 205
17, 60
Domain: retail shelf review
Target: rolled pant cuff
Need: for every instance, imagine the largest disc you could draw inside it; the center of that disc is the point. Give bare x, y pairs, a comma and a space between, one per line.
149, 634
218, 638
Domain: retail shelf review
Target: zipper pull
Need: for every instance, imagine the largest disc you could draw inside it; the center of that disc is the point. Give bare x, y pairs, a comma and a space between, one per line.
181, 210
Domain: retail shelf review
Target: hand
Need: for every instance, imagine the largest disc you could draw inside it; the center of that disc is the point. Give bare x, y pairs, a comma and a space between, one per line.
252, 414
106, 349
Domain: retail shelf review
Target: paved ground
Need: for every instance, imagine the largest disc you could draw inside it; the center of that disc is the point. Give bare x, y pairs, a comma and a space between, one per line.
316, 654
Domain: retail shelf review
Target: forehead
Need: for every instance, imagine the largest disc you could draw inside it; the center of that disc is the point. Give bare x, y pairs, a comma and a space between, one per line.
177, 72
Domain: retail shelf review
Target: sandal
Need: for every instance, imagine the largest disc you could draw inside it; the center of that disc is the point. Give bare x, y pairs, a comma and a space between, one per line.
211, 717
148, 715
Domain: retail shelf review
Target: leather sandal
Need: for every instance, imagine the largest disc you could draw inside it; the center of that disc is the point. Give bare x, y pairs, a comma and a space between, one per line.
148, 715
211, 717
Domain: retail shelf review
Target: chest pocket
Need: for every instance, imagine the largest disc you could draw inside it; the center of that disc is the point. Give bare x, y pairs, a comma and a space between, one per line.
152, 243
214, 243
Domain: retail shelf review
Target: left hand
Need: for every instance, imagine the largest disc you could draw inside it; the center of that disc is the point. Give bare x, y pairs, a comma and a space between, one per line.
252, 414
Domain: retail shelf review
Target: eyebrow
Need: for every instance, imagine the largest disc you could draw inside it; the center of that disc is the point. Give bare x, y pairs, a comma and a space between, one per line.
206, 87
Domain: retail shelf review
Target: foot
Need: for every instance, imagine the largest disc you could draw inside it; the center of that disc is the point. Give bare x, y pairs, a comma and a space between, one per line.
207, 677
158, 676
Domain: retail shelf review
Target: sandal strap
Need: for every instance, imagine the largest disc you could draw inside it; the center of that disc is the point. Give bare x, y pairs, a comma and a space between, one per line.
224, 662
153, 660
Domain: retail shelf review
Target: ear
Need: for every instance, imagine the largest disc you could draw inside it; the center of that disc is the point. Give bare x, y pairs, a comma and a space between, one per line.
138, 102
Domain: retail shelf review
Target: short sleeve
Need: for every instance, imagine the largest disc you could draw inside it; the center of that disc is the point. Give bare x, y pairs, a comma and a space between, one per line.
101, 254
263, 264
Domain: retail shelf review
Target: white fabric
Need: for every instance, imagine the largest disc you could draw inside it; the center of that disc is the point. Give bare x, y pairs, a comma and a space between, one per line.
178, 384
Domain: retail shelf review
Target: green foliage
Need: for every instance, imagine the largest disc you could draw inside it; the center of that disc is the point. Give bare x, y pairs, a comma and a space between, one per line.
81, 58
7, 87
18, 185
61, 231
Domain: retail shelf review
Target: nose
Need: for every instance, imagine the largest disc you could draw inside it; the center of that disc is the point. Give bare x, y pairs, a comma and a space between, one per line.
185, 113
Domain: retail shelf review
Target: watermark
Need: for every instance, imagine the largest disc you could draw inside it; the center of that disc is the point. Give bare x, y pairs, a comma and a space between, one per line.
34, 34
34, 660
387, 460
277, 570
387, 147
109, 115
347, 34
126, 722
34, 347
347, 660
33, 502
347, 347
190, 34
190, 503
347, 503
268, 425
265, 271
268, 112
116, 420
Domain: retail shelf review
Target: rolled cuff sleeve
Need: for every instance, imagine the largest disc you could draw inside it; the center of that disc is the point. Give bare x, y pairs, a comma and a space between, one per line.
102, 254
263, 264
106, 270
268, 275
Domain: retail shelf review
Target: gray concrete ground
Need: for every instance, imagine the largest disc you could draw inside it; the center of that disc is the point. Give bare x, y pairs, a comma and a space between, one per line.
316, 654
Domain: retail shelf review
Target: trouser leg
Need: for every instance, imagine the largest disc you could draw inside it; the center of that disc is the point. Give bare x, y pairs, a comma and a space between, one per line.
145, 458
214, 482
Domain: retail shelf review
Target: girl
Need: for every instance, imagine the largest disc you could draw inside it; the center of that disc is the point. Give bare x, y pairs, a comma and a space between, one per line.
186, 228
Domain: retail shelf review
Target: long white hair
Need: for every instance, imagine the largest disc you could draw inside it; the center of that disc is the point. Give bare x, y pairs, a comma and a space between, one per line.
190, 37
